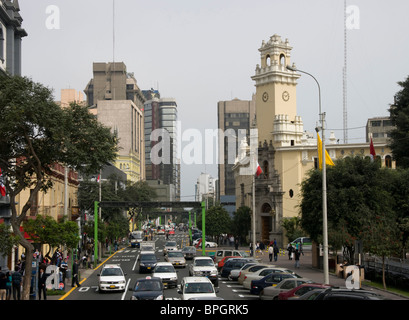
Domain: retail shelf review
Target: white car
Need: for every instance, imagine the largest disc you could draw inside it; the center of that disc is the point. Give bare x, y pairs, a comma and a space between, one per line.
170, 246
166, 271
259, 274
111, 278
271, 293
204, 266
235, 273
197, 287
208, 244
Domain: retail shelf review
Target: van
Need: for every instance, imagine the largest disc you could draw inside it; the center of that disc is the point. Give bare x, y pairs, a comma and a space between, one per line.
136, 238
220, 254
306, 243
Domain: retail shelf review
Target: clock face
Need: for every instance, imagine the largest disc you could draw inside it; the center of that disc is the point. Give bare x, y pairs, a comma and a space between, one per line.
286, 96
265, 96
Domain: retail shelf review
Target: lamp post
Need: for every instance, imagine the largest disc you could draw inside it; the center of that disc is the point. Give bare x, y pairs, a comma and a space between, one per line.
324, 182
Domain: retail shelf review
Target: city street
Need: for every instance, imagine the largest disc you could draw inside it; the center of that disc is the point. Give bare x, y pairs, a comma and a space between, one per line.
127, 258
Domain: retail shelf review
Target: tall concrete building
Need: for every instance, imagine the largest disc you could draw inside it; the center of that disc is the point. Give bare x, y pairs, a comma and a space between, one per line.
232, 116
11, 34
115, 98
161, 113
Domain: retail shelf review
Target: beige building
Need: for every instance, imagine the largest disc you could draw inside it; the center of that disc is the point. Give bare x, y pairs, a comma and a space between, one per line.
114, 97
286, 152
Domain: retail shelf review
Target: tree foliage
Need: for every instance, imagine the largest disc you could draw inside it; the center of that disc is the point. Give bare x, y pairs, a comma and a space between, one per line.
399, 115
241, 222
358, 191
36, 133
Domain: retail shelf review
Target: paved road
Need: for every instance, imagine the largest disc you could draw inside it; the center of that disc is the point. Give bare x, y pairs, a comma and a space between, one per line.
229, 290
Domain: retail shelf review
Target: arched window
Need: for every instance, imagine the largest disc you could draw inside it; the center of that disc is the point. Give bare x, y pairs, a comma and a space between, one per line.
388, 161
282, 60
268, 61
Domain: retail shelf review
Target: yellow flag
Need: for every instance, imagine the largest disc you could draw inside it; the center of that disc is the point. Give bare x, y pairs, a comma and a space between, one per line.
328, 160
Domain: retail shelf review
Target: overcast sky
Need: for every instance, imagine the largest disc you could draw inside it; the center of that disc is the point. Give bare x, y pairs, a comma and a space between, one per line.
204, 51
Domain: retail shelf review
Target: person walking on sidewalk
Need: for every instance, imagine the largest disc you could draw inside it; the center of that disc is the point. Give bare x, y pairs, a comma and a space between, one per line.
75, 270
16, 278
270, 253
42, 289
290, 249
297, 259
276, 251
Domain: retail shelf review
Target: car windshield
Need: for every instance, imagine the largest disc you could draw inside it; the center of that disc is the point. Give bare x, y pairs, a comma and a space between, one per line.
175, 254
148, 286
204, 262
198, 288
148, 257
111, 272
170, 244
161, 269
189, 249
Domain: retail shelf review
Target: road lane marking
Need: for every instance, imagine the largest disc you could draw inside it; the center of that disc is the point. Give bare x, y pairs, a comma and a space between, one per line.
126, 289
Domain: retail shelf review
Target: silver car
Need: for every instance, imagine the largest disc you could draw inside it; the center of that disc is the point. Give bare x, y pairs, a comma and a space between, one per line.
176, 258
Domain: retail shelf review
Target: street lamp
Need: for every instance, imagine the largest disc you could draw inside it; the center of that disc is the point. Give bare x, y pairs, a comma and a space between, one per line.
324, 181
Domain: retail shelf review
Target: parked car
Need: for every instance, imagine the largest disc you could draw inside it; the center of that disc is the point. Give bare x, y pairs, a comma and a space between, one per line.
271, 293
111, 278
221, 263
204, 266
234, 263
259, 274
167, 273
235, 273
149, 288
252, 269
176, 258
220, 254
306, 243
268, 281
310, 295
297, 292
195, 287
348, 294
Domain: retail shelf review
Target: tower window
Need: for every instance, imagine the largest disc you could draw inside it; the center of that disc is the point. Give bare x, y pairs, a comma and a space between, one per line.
268, 61
282, 60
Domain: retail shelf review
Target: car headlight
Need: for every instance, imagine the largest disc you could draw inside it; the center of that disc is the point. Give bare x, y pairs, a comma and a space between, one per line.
160, 297
142, 264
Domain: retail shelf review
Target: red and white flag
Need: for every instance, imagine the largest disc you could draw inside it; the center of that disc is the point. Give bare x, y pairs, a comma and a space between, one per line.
372, 151
258, 170
2, 186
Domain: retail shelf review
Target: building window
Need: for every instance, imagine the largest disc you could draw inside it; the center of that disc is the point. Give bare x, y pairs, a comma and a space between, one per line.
377, 123
388, 161
1, 44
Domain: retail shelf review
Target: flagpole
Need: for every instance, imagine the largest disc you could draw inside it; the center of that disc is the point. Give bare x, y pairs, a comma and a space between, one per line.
254, 215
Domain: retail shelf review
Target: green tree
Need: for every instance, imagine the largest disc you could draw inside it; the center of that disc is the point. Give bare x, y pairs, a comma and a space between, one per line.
218, 221
7, 239
36, 134
293, 228
399, 115
241, 223
356, 193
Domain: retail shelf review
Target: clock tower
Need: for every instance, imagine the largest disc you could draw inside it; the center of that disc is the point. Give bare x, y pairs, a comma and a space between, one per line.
276, 105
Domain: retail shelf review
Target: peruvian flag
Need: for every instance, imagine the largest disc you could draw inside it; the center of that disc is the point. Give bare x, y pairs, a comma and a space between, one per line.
2, 186
258, 170
372, 151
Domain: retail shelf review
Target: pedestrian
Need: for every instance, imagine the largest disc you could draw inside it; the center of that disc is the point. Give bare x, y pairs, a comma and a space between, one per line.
270, 253
3, 286
301, 250
276, 251
297, 259
251, 249
42, 289
8, 284
236, 244
75, 270
290, 249
64, 268
16, 278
